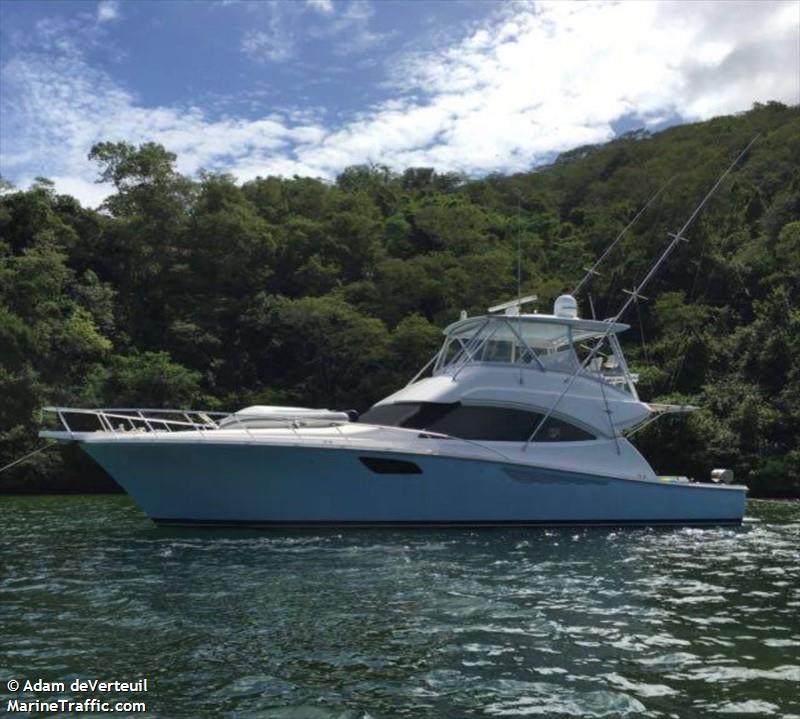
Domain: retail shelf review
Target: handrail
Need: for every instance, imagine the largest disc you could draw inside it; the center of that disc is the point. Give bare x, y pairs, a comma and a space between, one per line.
612, 381
104, 418
425, 366
131, 420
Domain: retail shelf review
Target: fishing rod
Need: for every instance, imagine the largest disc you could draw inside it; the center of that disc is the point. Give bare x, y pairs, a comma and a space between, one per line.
635, 294
590, 271
678, 237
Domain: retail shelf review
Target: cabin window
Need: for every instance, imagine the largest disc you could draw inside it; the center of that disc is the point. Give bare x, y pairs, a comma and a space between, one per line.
498, 351
413, 415
391, 415
476, 422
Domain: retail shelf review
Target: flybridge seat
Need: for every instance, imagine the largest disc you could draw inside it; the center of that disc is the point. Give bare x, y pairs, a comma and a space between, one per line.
267, 416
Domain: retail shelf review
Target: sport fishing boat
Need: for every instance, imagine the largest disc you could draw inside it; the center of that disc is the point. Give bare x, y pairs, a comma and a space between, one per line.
519, 419
474, 443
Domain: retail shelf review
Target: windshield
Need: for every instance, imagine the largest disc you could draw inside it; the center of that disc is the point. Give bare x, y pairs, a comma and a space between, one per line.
501, 339
541, 342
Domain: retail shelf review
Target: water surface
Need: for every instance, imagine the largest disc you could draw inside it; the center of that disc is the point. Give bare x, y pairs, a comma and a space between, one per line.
356, 624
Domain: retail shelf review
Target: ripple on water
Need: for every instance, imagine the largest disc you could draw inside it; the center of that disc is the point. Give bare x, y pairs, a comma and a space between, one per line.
374, 625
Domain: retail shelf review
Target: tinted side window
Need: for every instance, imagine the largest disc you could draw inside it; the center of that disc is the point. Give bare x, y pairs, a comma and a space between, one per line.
392, 415
414, 415
428, 414
490, 424
556, 430
498, 424
502, 424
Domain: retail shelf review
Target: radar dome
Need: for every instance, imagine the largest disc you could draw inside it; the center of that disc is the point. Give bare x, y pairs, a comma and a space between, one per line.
566, 306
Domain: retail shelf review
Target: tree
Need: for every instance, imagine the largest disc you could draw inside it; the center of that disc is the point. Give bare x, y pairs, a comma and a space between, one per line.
148, 379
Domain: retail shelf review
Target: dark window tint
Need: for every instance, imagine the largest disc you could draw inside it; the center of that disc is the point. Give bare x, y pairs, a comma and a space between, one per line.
556, 430
414, 415
491, 424
393, 415
498, 424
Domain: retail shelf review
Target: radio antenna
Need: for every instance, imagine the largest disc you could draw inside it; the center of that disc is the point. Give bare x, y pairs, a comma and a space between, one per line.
590, 271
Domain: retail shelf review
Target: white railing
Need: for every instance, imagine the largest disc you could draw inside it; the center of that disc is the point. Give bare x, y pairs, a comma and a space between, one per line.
120, 423
124, 420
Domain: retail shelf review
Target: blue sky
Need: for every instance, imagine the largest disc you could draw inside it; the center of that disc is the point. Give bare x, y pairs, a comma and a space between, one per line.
311, 86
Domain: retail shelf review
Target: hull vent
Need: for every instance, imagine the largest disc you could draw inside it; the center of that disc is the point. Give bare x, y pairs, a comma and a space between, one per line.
382, 465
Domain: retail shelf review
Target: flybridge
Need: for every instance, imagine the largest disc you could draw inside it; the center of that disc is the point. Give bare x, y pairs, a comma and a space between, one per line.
540, 342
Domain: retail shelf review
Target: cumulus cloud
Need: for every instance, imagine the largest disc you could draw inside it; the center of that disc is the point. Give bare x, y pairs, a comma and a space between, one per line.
529, 82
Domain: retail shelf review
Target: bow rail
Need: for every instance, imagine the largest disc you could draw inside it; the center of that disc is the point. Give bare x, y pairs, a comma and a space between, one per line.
76, 423
75, 420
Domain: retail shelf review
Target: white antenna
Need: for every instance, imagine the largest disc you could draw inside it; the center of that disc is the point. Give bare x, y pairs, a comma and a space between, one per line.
593, 269
635, 294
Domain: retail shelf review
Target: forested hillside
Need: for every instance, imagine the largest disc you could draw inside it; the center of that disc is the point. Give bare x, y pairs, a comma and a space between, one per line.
210, 294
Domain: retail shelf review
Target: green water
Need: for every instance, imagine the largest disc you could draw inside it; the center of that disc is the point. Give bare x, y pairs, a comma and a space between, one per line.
568, 623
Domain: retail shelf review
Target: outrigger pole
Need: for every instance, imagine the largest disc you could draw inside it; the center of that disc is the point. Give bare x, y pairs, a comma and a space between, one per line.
635, 294
678, 237
590, 271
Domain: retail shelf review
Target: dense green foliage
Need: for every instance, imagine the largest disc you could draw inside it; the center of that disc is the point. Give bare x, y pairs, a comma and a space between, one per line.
182, 292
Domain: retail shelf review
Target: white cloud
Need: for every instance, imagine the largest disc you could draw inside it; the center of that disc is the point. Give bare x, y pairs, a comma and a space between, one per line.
91, 194
275, 42
323, 6
528, 83
351, 28
107, 10
282, 28
270, 44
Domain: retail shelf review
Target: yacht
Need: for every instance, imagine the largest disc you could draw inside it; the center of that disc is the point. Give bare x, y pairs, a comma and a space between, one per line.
509, 424
520, 418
